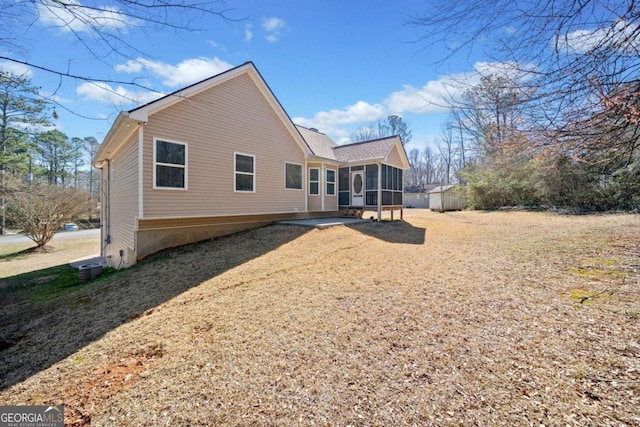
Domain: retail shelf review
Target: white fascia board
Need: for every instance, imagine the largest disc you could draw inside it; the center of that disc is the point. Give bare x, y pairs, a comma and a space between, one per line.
118, 134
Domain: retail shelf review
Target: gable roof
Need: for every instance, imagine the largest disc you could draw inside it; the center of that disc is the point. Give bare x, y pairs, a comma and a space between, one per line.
319, 143
376, 149
311, 141
365, 151
121, 129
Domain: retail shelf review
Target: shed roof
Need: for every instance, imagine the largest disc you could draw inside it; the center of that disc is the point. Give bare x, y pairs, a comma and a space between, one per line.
441, 189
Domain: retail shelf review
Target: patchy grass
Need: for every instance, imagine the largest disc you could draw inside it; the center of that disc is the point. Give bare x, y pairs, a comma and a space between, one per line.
462, 318
17, 259
45, 285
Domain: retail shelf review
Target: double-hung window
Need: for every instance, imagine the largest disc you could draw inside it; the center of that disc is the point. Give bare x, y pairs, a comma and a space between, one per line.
314, 181
244, 177
292, 176
331, 182
169, 165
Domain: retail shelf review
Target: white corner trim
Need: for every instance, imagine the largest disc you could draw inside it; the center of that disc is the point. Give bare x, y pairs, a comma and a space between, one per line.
140, 170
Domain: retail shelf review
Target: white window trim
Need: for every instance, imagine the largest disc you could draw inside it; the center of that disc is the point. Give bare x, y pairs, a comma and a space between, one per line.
301, 176
326, 182
156, 163
318, 181
235, 172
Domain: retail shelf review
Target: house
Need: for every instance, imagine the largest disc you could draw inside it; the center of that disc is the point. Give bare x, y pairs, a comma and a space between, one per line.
221, 156
445, 198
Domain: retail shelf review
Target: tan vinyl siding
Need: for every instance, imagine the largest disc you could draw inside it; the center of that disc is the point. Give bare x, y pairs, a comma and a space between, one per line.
314, 203
123, 189
331, 202
393, 158
228, 118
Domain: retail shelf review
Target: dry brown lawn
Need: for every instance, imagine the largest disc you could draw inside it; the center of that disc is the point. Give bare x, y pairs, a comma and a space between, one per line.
61, 251
464, 318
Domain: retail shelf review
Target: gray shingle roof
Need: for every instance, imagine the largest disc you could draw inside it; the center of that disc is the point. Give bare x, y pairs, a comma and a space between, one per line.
322, 146
376, 149
319, 143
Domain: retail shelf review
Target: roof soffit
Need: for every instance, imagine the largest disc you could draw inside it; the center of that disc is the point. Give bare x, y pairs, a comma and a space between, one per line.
121, 131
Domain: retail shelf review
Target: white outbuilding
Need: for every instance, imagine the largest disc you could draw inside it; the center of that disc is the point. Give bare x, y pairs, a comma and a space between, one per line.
445, 198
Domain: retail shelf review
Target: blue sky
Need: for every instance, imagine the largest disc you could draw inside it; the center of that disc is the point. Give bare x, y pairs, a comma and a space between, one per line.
334, 65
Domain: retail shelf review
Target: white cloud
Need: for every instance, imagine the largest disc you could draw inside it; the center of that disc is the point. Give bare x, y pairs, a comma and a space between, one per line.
332, 122
437, 96
248, 34
357, 113
16, 68
433, 97
623, 36
273, 26
131, 66
103, 92
74, 16
186, 72
217, 45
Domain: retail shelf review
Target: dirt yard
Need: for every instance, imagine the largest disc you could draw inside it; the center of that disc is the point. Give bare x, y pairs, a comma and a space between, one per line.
463, 318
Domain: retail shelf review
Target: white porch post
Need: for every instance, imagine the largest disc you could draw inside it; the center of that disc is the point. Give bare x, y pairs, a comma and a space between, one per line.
379, 191
141, 170
322, 182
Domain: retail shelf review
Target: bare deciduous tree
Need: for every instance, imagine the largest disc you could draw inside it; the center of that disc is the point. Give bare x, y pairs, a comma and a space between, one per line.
580, 57
447, 150
41, 210
103, 29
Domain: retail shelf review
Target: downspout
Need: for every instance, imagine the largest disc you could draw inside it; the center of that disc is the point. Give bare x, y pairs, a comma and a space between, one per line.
379, 191
107, 209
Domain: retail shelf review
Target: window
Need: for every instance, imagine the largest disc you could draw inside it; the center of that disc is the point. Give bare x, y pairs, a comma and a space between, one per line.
244, 175
292, 176
372, 177
391, 185
331, 182
344, 192
170, 165
314, 181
